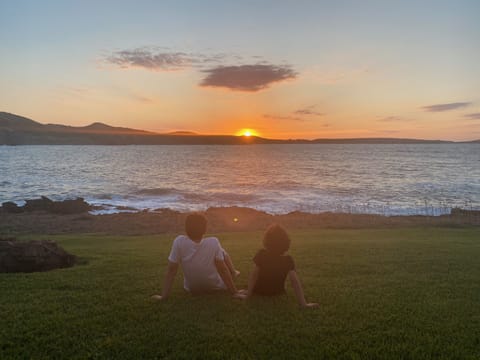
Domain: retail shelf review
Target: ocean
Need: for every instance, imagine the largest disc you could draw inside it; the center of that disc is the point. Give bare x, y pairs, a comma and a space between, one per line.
395, 179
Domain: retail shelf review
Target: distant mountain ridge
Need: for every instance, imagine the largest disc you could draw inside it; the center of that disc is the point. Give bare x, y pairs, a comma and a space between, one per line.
14, 122
19, 130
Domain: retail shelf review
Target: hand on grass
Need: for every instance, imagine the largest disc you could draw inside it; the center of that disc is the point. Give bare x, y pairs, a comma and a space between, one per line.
311, 305
241, 295
158, 297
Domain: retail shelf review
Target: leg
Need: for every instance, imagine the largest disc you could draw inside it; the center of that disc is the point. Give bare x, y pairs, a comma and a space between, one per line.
229, 263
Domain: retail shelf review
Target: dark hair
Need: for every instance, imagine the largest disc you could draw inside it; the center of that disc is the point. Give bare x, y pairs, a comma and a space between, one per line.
195, 225
276, 240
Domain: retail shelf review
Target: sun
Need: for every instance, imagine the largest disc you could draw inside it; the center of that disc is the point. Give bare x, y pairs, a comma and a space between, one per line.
247, 132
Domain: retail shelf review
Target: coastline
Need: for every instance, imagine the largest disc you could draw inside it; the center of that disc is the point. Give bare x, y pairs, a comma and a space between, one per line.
221, 219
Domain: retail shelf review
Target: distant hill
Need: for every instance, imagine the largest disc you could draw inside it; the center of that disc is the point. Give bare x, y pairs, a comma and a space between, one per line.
18, 123
182, 133
12, 122
378, 141
19, 130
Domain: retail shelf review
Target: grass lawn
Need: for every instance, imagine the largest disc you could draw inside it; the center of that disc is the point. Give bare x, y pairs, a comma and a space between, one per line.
384, 294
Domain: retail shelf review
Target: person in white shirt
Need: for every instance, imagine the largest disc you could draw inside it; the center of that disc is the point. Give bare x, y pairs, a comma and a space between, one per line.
206, 265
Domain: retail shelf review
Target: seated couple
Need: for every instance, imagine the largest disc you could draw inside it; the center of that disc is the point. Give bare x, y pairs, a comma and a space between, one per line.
207, 266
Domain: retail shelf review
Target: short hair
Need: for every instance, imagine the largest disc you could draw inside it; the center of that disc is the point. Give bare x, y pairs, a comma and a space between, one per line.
195, 225
276, 239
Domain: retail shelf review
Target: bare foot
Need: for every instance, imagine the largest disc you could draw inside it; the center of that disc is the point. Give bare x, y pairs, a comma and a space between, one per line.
157, 297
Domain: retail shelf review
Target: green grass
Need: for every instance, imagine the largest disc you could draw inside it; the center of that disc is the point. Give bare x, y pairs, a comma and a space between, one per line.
403, 294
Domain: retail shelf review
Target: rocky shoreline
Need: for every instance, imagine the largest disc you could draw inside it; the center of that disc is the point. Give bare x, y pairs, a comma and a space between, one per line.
44, 216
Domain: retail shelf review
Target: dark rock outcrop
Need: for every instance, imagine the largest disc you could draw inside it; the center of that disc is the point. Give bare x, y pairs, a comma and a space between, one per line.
76, 206
42, 204
32, 256
11, 207
465, 212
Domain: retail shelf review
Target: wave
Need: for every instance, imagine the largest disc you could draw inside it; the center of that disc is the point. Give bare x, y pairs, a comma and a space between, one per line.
221, 197
157, 191
191, 196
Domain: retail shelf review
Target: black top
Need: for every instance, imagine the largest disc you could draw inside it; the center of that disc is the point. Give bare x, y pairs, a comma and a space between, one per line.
273, 270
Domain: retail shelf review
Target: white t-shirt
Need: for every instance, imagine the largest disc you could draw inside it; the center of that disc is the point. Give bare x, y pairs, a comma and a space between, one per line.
198, 262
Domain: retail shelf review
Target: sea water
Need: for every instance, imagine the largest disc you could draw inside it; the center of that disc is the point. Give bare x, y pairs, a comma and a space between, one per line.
388, 179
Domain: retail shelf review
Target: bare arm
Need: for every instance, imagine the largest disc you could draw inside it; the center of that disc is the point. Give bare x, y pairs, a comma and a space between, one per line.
252, 280
297, 288
168, 282
225, 275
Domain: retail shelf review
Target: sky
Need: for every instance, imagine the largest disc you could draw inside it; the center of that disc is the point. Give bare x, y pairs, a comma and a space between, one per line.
285, 69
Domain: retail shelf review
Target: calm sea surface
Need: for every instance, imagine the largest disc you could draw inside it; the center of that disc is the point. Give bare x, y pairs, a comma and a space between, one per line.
384, 179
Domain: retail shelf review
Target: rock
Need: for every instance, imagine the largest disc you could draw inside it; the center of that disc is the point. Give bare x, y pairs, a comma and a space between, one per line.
464, 212
79, 205
11, 207
42, 204
76, 206
33, 256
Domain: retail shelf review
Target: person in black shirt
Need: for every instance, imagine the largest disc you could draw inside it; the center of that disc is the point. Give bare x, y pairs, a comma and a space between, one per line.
272, 267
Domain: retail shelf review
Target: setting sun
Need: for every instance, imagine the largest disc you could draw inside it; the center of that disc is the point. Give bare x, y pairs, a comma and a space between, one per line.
247, 132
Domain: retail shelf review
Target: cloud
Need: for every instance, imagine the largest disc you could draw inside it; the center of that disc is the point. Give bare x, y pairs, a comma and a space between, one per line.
283, 117
309, 110
394, 118
303, 114
390, 118
141, 99
225, 70
149, 59
473, 116
247, 77
161, 59
445, 107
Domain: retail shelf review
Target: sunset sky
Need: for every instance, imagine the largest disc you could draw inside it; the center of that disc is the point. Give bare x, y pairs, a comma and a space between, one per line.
287, 69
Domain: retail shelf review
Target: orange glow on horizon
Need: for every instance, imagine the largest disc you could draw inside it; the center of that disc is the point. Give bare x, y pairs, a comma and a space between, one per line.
247, 132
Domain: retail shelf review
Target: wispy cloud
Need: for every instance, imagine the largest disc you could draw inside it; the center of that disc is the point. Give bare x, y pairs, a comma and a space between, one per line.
247, 77
309, 110
473, 116
160, 59
141, 99
445, 107
394, 118
302, 114
283, 117
150, 60
390, 118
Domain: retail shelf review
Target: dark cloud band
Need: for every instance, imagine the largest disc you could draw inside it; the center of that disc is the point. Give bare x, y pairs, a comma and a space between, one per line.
309, 110
247, 77
445, 107
473, 116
